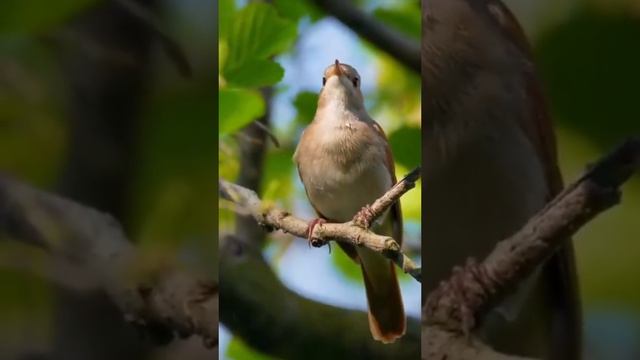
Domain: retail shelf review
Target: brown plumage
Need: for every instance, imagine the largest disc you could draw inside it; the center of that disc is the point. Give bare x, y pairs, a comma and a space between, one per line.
490, 163
345, 163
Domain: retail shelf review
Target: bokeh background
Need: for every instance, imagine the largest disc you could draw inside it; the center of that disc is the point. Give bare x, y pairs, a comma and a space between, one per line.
307, 42
93, 108
588, 53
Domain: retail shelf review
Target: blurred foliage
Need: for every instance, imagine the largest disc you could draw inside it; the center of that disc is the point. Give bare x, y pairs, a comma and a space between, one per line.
588, 60
30, 110
35, 16
238, 350
403, 17
590, 67
173, 198
305, 103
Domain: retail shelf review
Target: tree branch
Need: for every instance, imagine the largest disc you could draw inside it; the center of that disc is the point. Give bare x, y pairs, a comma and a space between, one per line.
164, 301
399, 46
452, 310
269, 317
350, 232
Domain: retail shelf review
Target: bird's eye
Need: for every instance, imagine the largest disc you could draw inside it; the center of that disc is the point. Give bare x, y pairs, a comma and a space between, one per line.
324, 80
356, 81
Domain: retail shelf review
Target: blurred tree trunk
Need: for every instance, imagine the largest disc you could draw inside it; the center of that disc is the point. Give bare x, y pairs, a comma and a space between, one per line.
104, 55
252, 141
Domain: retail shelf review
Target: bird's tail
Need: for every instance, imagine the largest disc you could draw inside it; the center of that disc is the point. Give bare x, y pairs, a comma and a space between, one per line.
387, 320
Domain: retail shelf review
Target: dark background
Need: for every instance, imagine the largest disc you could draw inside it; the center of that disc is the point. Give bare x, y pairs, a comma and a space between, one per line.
92, 107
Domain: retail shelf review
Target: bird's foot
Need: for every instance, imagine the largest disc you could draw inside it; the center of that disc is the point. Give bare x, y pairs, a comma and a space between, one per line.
464, 293
364, 216
315, 242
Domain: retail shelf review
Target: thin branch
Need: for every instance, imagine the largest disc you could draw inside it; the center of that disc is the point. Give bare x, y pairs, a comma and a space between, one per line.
474, 289
371, 213
274, 218
399, 46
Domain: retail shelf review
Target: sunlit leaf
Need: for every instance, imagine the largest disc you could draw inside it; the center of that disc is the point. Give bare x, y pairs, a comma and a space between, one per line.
33, 16
223, 51
257, 32
256, 74
412, 200
238, 350
226, 12
238, 107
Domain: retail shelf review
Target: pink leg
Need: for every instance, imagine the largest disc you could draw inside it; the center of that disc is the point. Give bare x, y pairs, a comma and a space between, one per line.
312, 224
364, 216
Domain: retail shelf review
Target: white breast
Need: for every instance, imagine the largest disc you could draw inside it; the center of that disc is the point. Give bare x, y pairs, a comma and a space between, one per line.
339, 195
335, 190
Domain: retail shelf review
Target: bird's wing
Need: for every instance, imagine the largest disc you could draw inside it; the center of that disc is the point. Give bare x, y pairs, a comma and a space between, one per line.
560, 270
395, 211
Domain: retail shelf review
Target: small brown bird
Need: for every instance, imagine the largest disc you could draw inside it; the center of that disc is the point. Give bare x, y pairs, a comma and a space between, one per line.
345, 163
489, 165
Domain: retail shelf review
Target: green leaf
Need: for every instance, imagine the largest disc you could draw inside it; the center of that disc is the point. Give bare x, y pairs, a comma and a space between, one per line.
297, 9
277, 175
405, 144
238, 350
238, 107
226, 12
33, 16
305, 103
407, 19
257, 33
256, 74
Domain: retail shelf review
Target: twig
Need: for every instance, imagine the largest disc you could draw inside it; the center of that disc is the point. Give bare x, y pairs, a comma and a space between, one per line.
399, 46
274, 218
375, 210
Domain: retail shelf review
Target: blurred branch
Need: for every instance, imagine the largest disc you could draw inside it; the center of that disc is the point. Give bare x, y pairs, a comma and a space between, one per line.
353, 232
105, 55
170, 46
252, 141
275, 320
163, 302
402, 48
451, 310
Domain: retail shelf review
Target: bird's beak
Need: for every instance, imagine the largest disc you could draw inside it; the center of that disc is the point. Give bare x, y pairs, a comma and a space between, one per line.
338, 69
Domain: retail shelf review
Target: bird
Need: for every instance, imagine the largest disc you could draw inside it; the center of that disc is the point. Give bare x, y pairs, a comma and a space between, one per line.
345, 163
489, 164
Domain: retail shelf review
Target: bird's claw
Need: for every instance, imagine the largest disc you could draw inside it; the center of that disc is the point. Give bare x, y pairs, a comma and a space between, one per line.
315, 242
364, 216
